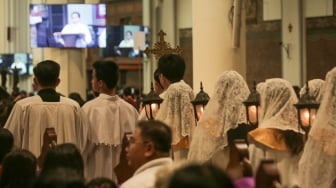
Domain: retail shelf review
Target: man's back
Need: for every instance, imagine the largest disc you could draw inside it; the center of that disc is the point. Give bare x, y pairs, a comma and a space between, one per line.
110, 118
31, 116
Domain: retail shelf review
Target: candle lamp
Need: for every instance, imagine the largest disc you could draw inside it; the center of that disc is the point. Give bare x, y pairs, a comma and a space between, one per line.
199, 103
307, 108
151, 103
252, 104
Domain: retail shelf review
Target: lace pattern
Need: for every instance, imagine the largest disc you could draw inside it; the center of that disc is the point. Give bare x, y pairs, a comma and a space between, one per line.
318, 163
177, 111
316, 89
316, 169
225, 110
277, 105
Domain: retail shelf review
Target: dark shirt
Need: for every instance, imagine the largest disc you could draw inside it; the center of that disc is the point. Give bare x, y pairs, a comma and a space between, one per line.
49, 95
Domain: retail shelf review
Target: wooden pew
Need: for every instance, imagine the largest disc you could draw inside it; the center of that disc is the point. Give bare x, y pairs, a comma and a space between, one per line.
49, 141
268, 175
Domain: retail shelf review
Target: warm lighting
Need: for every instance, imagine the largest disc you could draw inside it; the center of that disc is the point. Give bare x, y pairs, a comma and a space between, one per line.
151, 103
307, 109
252, 104
199, 103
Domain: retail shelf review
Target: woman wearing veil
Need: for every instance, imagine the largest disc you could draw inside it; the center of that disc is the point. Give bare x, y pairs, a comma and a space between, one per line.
316, 89
224, 111
317, 166
278, 135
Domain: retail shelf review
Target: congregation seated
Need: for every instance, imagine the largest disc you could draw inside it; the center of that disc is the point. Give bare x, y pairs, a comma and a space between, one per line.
19, 169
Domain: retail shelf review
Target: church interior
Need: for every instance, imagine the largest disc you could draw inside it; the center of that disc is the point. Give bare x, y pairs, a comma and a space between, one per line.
279, 51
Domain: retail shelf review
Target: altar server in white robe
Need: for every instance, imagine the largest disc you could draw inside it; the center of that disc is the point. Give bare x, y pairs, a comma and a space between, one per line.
176, 109
110, 117
317, 166
32, 115
224, 111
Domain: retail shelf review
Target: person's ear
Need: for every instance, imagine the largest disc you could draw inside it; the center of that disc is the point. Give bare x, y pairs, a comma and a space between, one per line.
58, 82
36, 83
150, 149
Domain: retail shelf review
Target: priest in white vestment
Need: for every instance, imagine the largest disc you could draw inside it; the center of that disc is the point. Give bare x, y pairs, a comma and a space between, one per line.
32, 115
224, 111
176, 110
110, 117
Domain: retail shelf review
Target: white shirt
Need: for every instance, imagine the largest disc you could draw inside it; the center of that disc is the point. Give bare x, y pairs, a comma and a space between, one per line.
78, 28
31, 116
145, 175
110, 117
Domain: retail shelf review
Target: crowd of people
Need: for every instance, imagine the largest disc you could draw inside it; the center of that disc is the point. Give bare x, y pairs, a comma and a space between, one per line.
96, 137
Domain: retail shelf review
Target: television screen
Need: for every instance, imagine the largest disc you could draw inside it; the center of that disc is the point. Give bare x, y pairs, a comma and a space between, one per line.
67, 25
20, 61
126, 41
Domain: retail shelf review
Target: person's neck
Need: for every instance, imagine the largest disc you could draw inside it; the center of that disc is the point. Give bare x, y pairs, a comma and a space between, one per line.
110, 92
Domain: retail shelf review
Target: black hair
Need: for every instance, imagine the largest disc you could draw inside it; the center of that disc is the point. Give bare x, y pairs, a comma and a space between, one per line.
77, 97
65, 155
78, 14
6, 142
157, 77
18, 169
101, 182
172, 66
107, 71
200, 176
130, 32
47, 72
157, 132
60, 178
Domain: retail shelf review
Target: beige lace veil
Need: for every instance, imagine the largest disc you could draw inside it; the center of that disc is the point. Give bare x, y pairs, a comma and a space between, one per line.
316, 89
317, 167
225, 110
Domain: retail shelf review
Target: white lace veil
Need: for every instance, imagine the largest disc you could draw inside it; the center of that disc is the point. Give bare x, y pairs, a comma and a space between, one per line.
224, 111
277, 101
177, 111
317, 167
316, 89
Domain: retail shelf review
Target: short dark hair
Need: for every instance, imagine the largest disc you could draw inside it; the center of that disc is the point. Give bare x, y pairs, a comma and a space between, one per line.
172, 66
65, 155
19, 169
157, 132
101, 182
6, 142
107, 71
130, 32
47, 72
60, 178
199, 176
78, 14
157, 77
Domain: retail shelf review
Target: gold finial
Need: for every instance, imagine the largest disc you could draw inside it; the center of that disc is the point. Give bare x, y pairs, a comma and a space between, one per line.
162, 47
